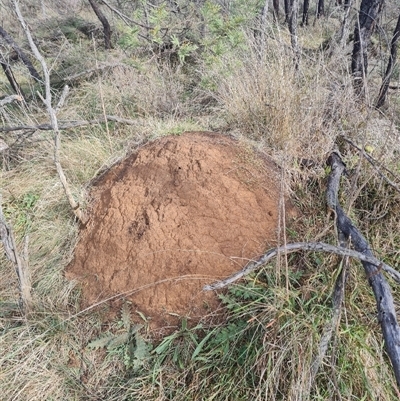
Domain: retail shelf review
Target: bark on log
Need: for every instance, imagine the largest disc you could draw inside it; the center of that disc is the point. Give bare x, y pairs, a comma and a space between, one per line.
390, 66
369, 12
380, 287
105, 23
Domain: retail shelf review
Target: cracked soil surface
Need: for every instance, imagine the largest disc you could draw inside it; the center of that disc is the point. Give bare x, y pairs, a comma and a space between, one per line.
180, 212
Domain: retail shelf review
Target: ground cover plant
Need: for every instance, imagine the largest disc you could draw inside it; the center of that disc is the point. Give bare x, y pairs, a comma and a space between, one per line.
224, 66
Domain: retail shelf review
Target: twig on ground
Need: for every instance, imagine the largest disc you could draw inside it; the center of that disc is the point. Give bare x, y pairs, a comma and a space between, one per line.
337, 301
374, 163
75, 77
64, 125
305, 246
10, 248
10, 99
62, 99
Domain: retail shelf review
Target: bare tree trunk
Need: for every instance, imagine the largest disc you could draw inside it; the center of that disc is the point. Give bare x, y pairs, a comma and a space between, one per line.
369, 12
276, 9
105, 23
321, 8
293, 32
306, 6
9, 40
344, 29
390, 66
287, 4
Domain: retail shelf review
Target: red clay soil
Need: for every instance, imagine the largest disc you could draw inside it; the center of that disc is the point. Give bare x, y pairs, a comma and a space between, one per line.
181, 212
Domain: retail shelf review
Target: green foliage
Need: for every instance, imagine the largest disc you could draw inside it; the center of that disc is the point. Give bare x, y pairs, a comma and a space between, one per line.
21, 211
127, 343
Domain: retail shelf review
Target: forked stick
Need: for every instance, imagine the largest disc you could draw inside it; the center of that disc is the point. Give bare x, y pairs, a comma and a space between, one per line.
53, 118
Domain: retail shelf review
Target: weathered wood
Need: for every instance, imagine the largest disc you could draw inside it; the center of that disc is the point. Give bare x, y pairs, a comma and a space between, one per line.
21, 55
380, 287
304, 246
53, 118
11, 79
10, 248
390, 67
367, 17
105, 23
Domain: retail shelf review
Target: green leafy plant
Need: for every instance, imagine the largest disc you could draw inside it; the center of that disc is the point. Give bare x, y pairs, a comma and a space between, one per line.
127, 342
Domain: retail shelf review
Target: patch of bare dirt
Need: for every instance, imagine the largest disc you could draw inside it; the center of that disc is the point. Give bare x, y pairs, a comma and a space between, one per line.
180, 212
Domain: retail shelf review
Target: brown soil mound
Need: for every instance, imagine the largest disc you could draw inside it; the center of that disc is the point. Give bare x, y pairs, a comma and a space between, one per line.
181, 212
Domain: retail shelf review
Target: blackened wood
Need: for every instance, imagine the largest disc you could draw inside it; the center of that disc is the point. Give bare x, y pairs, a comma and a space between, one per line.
390, 66
365, 24
321, 8
11, 79
306, 6
24, 58
105, 23
380, 287
276, 9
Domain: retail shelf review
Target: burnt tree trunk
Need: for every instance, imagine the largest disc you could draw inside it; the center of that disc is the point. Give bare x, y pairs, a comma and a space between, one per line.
275, 4
11, 79
21, 55
105, 23
306, 6
390, 66
380, 287
288, 4
365, 24
320, 8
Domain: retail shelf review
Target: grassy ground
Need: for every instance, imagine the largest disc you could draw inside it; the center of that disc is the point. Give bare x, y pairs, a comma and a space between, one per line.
262, 344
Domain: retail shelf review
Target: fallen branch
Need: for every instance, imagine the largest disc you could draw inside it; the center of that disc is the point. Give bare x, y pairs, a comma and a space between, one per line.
10, 248
10, 99
327, 334
304, 246
380, 287
64, 125
372, 267
125, 18
53, 118
21, 55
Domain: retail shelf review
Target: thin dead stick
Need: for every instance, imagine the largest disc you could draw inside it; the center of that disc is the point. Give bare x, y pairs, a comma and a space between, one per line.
62, 99
53, 118
373, 163
10, 99
124, 17
64, 125
10, 248
75, 77
327, 334
305, 246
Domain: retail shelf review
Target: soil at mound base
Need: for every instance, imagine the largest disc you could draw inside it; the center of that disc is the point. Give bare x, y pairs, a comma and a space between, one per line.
181, 212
